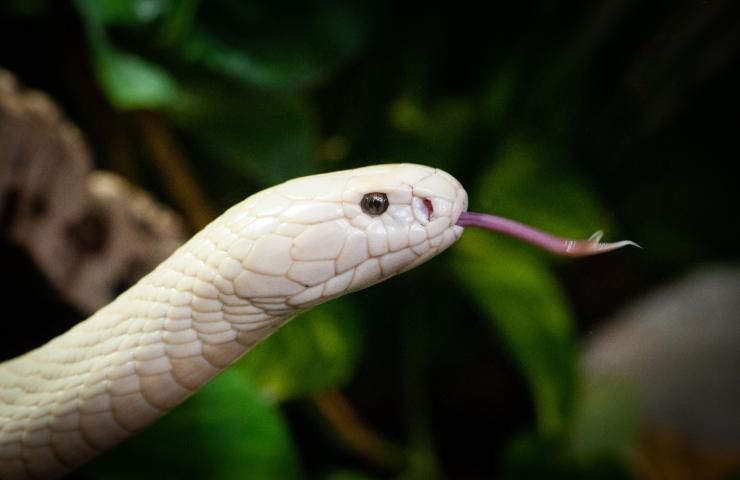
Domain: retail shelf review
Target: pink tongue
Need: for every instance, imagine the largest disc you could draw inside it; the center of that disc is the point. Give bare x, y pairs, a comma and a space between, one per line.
544, 240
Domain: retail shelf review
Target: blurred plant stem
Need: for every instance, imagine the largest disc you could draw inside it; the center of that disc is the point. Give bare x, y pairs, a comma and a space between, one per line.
357, 434
423, 460
178, 178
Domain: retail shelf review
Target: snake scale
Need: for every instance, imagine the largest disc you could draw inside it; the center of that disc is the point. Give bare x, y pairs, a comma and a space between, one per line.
271, 256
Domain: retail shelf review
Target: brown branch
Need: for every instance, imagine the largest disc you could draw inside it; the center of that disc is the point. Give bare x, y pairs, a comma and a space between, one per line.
357, 434
172, 165
89, 232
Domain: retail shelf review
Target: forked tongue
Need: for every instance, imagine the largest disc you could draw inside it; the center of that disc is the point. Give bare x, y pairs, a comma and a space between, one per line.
538, 238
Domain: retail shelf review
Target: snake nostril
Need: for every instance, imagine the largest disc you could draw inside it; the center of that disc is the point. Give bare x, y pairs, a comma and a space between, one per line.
430, 208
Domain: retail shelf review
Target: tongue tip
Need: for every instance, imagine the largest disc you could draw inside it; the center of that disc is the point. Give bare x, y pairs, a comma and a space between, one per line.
623, 243
588, 247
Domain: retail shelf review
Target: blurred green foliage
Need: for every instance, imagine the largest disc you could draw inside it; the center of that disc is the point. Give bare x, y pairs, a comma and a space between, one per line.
320, 351
228, 427
538, 113
270, 138
524, 302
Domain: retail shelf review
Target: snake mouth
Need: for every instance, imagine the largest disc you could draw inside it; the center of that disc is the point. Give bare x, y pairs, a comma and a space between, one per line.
429, 207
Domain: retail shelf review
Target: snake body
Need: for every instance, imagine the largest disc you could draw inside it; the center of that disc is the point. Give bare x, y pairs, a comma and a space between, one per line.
271, 256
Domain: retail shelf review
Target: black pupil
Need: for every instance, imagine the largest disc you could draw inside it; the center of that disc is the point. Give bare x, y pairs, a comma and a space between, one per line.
374, 203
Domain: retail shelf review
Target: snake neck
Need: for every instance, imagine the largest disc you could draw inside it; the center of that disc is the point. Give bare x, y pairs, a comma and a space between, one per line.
121, 369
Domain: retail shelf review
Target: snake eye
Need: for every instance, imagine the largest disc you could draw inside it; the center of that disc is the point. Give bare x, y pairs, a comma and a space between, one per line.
374, 203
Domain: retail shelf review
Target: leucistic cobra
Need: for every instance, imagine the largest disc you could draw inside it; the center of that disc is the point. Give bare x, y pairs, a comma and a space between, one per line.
275, 254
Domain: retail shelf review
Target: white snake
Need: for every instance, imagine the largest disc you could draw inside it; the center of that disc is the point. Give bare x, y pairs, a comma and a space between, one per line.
278, 252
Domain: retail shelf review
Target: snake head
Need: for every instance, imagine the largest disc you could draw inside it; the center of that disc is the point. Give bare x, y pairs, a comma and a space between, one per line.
315, 238
318, 237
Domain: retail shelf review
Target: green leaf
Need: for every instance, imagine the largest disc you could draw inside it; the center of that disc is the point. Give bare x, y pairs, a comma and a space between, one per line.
266, 46
513, 282
529, 455
606, 423
524, 302
227, 430
317, 350
267, 137
257, 44
529, 183
131, 82
131, 12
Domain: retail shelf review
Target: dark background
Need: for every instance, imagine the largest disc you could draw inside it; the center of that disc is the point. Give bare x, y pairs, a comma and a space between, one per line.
571, 116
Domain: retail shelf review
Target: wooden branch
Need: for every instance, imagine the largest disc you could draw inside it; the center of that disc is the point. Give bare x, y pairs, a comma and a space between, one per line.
357, 435
91, 233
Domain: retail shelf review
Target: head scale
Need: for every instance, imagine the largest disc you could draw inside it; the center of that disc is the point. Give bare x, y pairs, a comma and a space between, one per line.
315, 238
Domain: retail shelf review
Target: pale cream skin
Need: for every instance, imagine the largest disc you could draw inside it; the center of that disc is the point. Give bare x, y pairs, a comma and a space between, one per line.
269, 257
